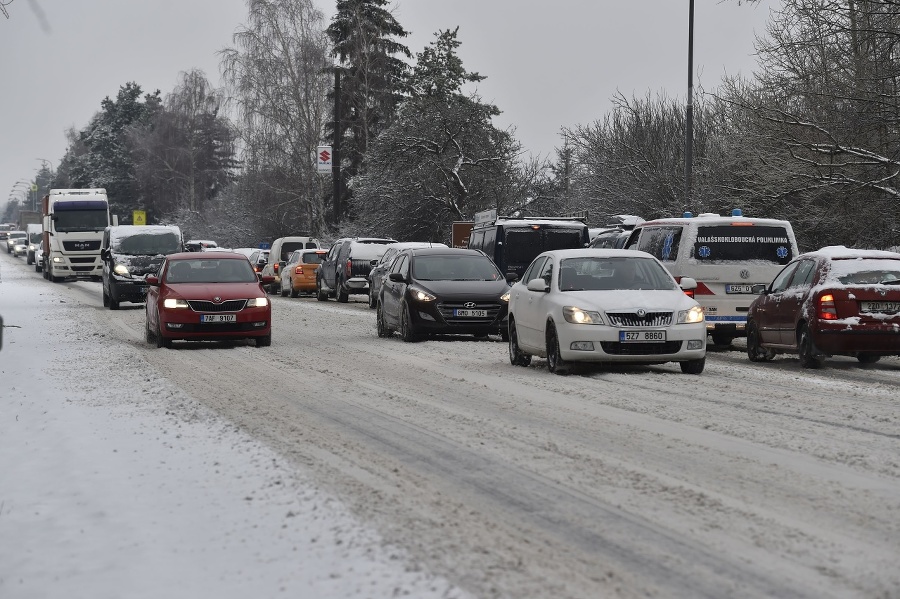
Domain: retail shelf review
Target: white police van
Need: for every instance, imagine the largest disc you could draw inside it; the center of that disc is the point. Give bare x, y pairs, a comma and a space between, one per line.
726, 255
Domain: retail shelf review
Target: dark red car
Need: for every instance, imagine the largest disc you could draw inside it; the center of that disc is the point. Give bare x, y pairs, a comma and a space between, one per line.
834, 301
207, 296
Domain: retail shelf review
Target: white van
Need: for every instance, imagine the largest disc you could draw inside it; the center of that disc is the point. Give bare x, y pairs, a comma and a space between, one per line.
281, 249
726, 255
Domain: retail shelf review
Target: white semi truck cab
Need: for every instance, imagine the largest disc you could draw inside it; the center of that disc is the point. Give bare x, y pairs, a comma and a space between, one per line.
73, 223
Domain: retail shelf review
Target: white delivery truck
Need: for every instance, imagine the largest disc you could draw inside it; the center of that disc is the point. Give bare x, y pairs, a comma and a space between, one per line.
73, 223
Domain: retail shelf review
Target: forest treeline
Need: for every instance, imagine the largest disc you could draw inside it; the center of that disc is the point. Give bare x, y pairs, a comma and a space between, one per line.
811, 136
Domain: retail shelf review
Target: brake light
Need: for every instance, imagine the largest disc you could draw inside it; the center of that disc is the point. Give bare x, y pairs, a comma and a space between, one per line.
347, 268
275, 268
827, 310
298, 270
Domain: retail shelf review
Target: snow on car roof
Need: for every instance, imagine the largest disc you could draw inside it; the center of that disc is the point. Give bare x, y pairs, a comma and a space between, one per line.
121, 231
840, 252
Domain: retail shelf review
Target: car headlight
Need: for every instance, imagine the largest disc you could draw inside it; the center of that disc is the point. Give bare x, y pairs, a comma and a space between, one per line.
420, 295
257, 302
576, 315
121, 270
172, 302
505, 297
691, 316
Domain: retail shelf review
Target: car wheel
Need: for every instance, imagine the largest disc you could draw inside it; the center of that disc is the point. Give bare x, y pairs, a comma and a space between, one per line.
294, 292
264, 341
149, 337
407, 332
516, 356
283, 290
693, 366
555, 363
160, 340
722, 339
868, 358
341, 293
113, 303
29, 259
105, 299
37, 266
383, 330
754, 351
809, 358
372, 301
274, 289
321, 295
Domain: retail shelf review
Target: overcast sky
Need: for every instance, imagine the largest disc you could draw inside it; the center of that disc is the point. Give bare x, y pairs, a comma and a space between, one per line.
548, 64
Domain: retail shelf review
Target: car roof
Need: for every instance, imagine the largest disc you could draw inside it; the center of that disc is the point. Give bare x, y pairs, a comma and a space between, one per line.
206, 256
403, 245
840, 252
444, 251
596, 253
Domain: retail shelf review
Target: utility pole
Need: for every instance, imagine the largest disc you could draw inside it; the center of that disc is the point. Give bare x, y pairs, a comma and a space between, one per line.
336, 146
689, 120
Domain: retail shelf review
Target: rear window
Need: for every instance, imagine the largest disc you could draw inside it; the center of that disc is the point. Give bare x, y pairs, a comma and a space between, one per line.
759, 243
866, 271
288, 247
311, 258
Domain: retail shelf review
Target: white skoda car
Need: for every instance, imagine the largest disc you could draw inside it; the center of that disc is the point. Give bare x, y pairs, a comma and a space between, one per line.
604, 305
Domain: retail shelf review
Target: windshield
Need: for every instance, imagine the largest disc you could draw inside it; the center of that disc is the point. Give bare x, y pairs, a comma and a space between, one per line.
147, 244
66, 221
606, 274
35, 237
211, 271
454, 268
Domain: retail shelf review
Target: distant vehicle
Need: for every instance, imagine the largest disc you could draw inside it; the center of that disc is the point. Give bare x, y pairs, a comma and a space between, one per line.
20, 246
12, 238
73, 221
512, 243
35, 233
610, 239
207, 296
299, 272
199, 245
259, 259
451, 291
834, 301
621, 222
280, 251
345, 269
601, 305
39, 257
381, 267
728, 256
28, 217
129, 254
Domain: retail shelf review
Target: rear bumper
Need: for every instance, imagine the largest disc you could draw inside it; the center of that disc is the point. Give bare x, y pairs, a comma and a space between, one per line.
841, 339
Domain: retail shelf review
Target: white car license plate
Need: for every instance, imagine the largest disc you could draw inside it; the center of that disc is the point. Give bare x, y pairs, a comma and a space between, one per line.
642, 336
470, 313
738, 288
218, 317
879, 306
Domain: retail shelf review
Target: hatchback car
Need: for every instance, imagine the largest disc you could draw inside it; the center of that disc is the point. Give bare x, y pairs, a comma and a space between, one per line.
834, 301
207, 296
603, 305
442, 291
14, 237
380, 269
299, 273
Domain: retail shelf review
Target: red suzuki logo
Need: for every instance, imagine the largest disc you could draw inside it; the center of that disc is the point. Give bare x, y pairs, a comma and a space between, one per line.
324, 156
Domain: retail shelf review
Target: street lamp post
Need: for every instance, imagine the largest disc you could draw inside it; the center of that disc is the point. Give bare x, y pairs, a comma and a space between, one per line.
689, 117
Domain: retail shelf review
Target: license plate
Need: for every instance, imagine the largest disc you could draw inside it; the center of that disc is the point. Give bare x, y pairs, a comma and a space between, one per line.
218, 317
738, 288
143, 290
642, 336
879, 306
470, 313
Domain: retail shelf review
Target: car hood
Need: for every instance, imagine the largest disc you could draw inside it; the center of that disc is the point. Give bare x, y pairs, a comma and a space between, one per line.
140, 266
618, 301
469, 290
208, 291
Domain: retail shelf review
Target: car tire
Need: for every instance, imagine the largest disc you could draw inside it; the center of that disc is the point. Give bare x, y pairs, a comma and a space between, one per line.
555, 363
37, 266
693, 366
264, 341
321, 295
754, 351
283, 290
372, 301
294, 292
29, 259
340, 292
105, 299
868, 358
149, 337
113, 303
407, 331
160, 340
721, 339
809, 358
516, 356
383, 330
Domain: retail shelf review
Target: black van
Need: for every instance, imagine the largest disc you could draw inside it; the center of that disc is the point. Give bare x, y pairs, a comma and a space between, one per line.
129, 254
512, 243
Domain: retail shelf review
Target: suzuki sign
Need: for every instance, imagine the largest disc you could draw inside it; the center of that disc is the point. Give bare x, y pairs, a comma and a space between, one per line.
323, 159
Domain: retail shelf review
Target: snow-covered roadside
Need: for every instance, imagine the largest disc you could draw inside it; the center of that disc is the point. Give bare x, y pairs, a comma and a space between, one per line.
113, 483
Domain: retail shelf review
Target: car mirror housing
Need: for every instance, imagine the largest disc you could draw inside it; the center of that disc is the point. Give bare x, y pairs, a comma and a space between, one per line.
152, 280
688, 283
538, 285
511, 277
759, 289
396, 277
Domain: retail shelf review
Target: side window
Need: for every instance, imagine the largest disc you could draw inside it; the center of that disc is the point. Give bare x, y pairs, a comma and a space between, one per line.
398, 264
781, 281
476, 241
534, 269
546, 271
803, 275
661, 242
404, 267
490, 237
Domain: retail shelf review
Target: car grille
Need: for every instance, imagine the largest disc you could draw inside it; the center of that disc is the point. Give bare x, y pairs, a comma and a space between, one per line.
226, 306
615, 348
631, 319
446, 309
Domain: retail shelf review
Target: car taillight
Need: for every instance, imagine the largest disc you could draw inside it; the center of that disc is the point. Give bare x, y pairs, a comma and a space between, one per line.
348, 269
298, 270
827, 310
275, 268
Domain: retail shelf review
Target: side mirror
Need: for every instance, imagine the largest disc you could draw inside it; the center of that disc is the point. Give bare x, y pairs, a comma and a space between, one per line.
152, 280
511, 277
104, 253
760, 289
396, 277
687, 283
266, 280
538, 285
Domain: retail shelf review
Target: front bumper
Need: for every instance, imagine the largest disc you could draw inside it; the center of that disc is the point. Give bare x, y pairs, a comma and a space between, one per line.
598, 343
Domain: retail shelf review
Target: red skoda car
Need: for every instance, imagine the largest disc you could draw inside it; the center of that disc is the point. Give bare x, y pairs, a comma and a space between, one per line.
834, 301
207, 296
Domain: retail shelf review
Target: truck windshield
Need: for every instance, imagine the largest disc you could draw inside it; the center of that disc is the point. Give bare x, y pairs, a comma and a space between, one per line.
80, 220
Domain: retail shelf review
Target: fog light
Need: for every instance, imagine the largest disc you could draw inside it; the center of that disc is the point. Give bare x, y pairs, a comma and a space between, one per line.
582, 346
259, 325
174, 325
695, 344
425, 316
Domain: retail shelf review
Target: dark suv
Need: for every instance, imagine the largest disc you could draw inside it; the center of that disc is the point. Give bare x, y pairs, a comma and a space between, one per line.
345, 269
129, 254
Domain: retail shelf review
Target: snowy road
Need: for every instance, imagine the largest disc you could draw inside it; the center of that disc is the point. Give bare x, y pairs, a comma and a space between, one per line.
751, 480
